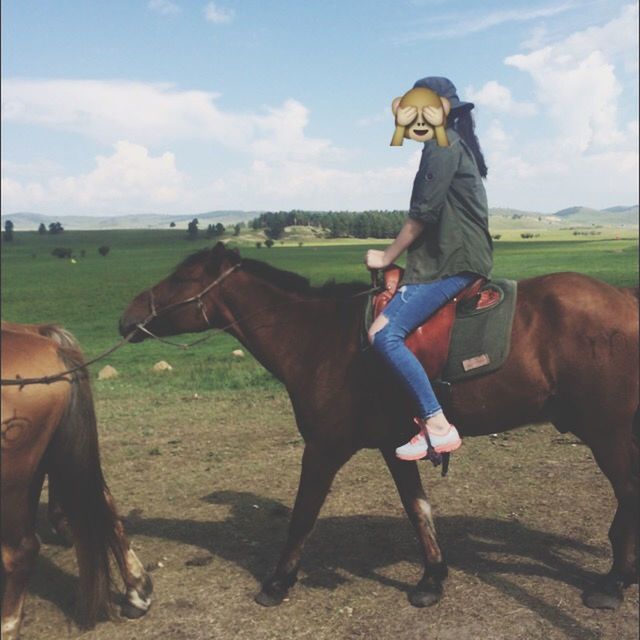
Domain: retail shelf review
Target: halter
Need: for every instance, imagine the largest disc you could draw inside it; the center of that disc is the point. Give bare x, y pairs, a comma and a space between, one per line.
197, 298
155, 313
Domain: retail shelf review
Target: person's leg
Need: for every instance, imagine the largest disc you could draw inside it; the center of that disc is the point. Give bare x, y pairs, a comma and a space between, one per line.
408, 309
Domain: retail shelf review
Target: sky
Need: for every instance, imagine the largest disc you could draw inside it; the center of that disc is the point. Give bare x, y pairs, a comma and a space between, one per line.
187, 106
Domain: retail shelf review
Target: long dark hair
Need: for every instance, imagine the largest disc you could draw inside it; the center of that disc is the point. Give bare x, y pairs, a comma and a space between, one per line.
461, 121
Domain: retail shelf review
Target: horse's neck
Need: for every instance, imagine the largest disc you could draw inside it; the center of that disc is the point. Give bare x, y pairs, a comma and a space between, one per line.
281, 329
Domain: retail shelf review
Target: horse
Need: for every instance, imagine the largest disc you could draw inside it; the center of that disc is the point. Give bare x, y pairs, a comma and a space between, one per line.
573, 362
49, 429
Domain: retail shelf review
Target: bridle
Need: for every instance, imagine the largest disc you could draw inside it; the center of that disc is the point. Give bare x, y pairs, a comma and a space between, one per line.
155, 313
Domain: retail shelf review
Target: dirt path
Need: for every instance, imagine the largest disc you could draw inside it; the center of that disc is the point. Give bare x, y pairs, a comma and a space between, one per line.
523, 519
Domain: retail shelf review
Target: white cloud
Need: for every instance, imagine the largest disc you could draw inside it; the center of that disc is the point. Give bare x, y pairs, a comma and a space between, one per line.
107, 110
537, 38
584, 153
165, 7
462, 24
280, 161
129, 180
154, 114
289, 184
497, 97
218, 15
575, 81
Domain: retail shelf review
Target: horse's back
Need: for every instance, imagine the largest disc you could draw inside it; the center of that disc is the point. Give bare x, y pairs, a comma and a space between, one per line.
589, 332
49, 330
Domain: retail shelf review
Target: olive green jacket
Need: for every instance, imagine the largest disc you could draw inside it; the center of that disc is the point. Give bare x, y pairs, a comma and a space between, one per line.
449, 197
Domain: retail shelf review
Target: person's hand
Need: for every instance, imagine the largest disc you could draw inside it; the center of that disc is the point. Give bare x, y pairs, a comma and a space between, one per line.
376, 259
406, 115
433, 115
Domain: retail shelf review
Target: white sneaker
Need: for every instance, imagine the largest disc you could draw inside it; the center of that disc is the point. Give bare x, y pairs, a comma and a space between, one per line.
447, 442
417, 447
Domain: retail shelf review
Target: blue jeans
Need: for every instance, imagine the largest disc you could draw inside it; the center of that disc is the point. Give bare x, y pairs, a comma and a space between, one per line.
407, 310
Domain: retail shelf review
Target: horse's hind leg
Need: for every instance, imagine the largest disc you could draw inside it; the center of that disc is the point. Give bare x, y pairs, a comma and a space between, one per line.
405, 474
319, 467
616, 452
20, 547
137, 581
57, 518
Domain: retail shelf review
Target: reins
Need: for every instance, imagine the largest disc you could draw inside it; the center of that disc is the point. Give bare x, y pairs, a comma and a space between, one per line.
155, 313
21, 382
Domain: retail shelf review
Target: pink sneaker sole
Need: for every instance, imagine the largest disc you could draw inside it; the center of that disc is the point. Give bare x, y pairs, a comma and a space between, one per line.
448, 448
409, 458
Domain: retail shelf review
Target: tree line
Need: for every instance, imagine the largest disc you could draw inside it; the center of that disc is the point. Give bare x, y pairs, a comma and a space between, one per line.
54, 229
337, 224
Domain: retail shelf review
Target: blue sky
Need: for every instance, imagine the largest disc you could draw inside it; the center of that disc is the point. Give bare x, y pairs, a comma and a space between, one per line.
184, 106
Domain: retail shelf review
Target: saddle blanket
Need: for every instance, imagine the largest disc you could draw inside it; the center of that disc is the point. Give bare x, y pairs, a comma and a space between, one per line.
481, 338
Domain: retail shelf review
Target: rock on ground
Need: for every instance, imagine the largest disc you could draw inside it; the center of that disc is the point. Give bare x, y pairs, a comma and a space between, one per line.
107, 372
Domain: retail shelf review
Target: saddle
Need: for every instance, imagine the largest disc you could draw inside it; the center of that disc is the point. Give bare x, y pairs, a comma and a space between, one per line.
430, 342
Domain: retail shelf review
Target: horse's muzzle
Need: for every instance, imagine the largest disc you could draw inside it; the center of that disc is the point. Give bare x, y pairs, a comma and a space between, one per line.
126, 326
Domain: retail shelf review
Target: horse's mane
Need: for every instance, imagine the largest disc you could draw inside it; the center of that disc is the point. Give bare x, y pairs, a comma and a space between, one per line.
285, 280
295, 283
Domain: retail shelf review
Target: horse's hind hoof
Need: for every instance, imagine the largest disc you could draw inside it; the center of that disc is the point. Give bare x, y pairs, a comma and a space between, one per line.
429, 590
605, 595
270, 599
133, 613
419, 597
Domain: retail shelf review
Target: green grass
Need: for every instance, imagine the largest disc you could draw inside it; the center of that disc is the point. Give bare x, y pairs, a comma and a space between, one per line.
89, 296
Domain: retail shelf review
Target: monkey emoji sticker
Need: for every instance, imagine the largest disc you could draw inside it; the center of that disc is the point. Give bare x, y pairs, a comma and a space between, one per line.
421, 114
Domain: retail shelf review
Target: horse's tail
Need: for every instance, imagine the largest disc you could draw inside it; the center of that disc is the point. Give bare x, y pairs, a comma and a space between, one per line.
73, 465
60, 335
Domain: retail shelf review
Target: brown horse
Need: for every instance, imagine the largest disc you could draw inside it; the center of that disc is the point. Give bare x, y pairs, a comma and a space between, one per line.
573, 362
50, 429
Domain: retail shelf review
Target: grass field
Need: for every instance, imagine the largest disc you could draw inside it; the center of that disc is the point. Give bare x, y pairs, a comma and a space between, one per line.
88, 297
523, 516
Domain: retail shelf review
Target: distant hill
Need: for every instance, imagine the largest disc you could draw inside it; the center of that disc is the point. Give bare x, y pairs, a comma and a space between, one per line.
26, 221
507, 218
612, 216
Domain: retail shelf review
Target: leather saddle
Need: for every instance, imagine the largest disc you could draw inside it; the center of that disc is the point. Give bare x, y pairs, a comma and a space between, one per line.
430, 341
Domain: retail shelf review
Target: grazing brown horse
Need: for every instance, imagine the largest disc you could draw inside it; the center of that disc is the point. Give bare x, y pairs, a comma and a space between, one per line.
573, 362
50, 429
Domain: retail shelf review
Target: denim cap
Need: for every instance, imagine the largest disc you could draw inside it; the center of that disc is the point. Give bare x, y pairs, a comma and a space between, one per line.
445, 89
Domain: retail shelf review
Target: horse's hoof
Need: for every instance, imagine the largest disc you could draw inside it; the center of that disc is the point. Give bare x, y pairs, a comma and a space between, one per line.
133, 613
275, 590
270, 599
420, 597
606, 595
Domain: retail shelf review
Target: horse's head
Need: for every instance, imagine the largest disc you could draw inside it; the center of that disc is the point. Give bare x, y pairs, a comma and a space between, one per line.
185, 302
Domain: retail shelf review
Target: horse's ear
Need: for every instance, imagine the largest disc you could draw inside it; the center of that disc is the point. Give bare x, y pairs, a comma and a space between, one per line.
221, 253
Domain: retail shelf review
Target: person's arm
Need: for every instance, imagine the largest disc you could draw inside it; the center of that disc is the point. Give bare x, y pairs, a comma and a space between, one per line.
411, 230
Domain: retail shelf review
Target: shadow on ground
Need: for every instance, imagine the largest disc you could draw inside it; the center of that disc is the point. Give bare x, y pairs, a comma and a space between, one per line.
363, 546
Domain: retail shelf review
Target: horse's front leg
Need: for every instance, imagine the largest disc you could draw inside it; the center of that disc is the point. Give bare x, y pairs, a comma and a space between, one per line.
405, 474
319, 467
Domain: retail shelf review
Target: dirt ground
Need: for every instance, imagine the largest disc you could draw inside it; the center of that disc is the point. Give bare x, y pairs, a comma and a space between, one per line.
206, 485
